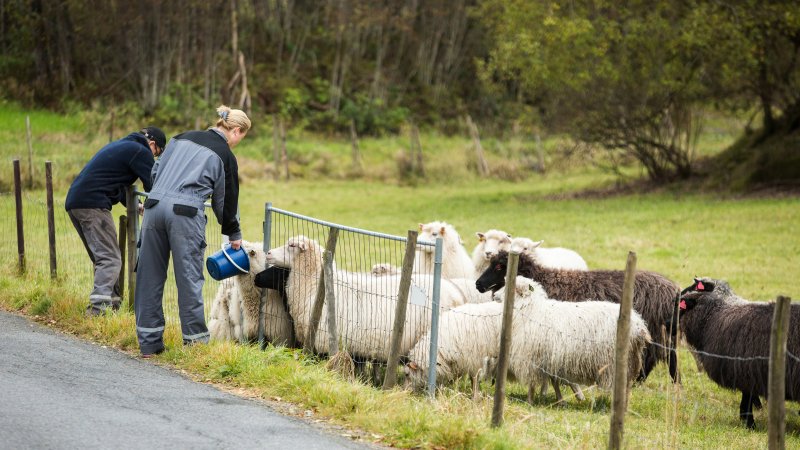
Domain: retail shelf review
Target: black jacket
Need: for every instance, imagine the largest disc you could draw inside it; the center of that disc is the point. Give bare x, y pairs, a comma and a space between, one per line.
102, 182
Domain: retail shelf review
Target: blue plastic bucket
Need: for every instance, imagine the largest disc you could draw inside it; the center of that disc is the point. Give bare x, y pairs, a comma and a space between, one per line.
227, 263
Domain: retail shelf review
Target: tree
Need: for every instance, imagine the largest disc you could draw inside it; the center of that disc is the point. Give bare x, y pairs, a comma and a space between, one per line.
751, 50
618, 75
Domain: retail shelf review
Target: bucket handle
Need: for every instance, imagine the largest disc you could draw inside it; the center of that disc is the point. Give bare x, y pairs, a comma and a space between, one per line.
228, 257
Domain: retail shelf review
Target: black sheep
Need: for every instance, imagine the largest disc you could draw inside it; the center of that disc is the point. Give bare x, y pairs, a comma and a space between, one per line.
716, 321
654, 296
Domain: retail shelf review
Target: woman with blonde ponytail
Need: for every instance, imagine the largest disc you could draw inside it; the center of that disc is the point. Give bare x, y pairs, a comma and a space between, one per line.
195, 165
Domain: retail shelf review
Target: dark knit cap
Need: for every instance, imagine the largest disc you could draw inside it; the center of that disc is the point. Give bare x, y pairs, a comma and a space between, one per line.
155, 134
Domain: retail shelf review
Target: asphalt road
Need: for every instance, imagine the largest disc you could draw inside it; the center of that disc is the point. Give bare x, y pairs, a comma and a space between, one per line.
58, 392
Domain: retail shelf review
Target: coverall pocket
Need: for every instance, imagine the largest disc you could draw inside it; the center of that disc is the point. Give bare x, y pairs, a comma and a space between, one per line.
150, 202
184, 210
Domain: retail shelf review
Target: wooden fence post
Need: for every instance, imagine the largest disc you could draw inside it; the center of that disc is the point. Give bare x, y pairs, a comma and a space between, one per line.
776, 427
30, 151
417, 160
276, 146
400, 310
51, 220
620, 402
505, 340
356, 153
20, 232
316, 310
284, 152
483, 167
132, 206
122, 240
539, 153
330, 302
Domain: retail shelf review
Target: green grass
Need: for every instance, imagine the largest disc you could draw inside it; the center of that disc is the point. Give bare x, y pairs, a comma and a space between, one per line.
752, 243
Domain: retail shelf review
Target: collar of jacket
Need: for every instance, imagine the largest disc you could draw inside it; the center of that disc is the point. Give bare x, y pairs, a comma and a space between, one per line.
137, 137
219, 132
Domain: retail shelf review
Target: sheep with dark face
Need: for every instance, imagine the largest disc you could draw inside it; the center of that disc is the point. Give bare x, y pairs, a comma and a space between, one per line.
716, 321
654, 296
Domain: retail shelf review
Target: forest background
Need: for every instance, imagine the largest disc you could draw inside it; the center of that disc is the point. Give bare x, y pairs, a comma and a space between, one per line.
635, 81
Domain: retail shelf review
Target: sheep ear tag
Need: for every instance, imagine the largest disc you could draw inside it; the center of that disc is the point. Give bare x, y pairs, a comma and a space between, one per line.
700, 286
682, 305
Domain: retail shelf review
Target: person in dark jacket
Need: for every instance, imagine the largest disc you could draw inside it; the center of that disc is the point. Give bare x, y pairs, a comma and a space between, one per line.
195, 165
100, 185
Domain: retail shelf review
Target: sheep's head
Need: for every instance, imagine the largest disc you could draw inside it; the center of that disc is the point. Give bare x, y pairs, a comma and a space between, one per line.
691, 295
524, 289
284, 256
382, 269
492, 242
416, 376
524, 245
256, 255
494, 277
431, 231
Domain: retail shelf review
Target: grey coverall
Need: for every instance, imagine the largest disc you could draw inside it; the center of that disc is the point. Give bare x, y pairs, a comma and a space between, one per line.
194, 166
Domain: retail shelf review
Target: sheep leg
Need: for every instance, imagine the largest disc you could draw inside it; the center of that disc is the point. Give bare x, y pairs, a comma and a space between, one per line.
376, 373
673, 352
746, 410
649, 362
557, 389
530, 394
673, 367
578, 392
475, 387
543, 389
757, 402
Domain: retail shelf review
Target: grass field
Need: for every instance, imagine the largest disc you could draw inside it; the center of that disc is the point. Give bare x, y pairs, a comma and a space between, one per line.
751, 242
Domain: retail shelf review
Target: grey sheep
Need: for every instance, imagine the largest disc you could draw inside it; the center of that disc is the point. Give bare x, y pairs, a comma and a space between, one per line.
716, 321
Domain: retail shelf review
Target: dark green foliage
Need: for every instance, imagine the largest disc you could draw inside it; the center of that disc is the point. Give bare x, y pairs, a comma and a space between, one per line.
627, 77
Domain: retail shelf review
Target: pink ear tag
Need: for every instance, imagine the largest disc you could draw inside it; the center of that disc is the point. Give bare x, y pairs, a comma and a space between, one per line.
682, 305
700, 286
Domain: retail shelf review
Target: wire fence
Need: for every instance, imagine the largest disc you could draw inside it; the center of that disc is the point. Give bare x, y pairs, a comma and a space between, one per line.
366, 285
366, 289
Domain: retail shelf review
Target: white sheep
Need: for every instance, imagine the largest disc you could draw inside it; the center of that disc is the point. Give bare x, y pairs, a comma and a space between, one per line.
468, 335
570, 341
364, 304
235, 309
525, 288
552, 258
456, 263
489, 243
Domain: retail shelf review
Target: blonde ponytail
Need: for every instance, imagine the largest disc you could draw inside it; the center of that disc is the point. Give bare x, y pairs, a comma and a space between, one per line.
232, 118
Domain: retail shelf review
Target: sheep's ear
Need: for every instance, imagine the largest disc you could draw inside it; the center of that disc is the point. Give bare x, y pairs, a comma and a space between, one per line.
442, 231
420, 226
481, 237
536, 244
252, 253
687, 303
412, 365
302, 245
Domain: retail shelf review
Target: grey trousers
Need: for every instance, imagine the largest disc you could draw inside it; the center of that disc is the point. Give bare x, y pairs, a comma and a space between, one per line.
167, 228
99, 236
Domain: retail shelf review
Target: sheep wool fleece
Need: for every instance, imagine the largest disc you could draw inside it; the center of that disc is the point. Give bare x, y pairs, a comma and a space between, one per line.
194, 166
